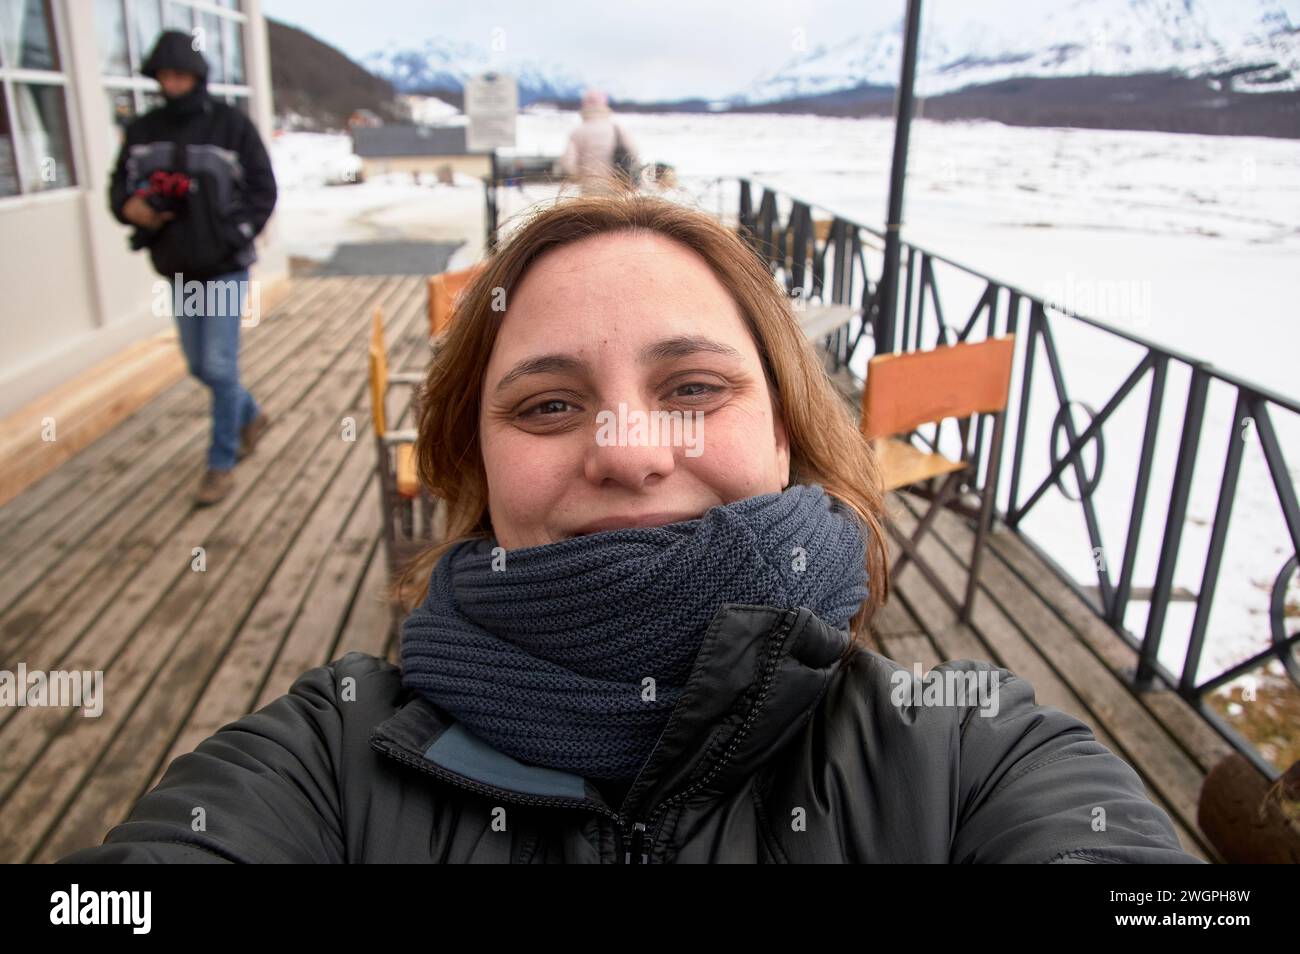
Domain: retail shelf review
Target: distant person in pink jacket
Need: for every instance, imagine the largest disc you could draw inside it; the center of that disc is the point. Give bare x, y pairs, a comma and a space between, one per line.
590, 156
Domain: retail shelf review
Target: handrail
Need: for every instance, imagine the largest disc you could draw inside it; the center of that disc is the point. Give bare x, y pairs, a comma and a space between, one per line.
791, 247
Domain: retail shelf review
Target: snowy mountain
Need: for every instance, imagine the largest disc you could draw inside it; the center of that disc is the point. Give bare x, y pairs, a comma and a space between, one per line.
1249, 45
442, 64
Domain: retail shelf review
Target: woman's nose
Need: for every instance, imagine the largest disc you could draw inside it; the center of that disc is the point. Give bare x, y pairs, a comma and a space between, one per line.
630, 446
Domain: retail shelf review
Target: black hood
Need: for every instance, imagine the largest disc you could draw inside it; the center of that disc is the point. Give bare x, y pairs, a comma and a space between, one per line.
174, 50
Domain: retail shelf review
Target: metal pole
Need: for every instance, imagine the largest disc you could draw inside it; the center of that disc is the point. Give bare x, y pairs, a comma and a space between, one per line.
897, 175
492, 203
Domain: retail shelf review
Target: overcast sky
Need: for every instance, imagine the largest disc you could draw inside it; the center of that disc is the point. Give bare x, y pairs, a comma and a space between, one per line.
661, 49
650, 48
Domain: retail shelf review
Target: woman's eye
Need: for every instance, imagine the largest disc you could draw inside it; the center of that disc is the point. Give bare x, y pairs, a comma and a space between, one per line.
546, 408
704, 390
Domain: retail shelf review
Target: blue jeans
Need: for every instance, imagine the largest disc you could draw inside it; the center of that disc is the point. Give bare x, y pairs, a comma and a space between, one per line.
209, 331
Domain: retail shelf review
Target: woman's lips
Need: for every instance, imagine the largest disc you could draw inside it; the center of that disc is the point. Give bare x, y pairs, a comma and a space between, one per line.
630, 520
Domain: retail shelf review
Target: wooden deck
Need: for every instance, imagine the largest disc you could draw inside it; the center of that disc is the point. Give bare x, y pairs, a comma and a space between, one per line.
97, 573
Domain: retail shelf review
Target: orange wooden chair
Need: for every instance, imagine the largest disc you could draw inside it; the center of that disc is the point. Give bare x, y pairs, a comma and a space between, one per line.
410, 513
443, 289
904, 391
397, 448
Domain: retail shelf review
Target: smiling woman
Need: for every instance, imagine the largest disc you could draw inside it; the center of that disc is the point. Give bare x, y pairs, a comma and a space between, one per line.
629, 300
625, 652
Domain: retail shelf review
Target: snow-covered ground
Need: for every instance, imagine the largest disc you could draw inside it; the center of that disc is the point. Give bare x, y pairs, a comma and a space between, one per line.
1189, 241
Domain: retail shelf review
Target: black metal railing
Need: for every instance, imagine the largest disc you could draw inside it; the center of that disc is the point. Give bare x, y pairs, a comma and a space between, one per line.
834, 269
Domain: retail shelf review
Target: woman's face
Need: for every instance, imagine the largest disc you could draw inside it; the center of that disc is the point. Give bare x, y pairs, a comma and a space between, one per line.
623, 390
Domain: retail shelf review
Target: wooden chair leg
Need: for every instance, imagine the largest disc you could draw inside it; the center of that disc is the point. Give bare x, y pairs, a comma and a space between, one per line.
931, 577
987, 500
945, 490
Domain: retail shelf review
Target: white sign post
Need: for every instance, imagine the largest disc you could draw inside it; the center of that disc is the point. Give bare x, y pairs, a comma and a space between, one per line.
491, 103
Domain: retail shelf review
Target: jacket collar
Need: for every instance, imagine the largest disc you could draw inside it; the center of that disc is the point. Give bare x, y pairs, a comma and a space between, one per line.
758, 673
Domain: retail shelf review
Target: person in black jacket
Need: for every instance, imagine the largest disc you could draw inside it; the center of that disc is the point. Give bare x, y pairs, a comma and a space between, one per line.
630, 652
195, 181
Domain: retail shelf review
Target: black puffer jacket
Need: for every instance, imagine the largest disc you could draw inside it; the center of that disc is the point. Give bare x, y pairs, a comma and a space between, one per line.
776, 752
231, 185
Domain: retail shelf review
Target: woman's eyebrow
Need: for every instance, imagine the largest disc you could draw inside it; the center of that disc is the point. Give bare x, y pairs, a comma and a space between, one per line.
543, 364
680, 346
676, 347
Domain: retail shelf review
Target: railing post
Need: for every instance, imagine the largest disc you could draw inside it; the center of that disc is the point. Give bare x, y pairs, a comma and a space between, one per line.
897, 177
1178, 498
1155, 407
1036, 316
492, 203
1214, 553
746, 213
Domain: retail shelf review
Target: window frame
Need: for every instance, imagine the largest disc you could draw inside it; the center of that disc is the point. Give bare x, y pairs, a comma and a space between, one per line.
35, 77
139, 85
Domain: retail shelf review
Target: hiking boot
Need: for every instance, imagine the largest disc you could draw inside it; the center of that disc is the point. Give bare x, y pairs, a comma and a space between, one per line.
215, 485
249, 436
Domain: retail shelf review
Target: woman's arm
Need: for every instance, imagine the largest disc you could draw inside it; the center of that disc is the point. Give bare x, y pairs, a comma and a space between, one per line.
262, 789
1037, 786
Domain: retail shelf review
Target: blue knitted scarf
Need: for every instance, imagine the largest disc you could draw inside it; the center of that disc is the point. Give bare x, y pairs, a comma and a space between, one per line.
542, 651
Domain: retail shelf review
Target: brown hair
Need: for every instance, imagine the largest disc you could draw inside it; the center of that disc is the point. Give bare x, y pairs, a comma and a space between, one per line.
826, 446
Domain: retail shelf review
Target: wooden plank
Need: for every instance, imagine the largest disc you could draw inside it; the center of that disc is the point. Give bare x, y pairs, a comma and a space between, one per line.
1196, 735
305, 590
952, 639
303, 649
124, 751
94, 494
999, 632
60, 568
909, 649
23, 735
255, 541
134, 527
311, 639
304, 594
95, 475
892, 618
55, 759
80, 473
120, 558
366, 628
83, 409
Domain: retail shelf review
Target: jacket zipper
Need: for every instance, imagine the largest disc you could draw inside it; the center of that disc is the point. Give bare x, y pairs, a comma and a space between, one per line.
769, 668
640, 842
636, 855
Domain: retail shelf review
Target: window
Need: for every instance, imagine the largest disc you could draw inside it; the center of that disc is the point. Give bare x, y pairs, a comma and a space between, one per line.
110, 31
43, 137
35, 142
128, 30
180, 16
28, 33
210, 46
233, 42
146, 24
8, 166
